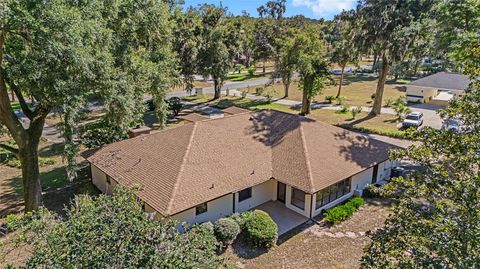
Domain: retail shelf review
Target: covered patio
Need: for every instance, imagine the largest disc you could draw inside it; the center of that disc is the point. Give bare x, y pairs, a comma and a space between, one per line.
285, 218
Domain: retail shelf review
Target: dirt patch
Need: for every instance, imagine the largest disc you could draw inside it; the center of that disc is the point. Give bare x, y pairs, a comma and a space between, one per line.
310, 249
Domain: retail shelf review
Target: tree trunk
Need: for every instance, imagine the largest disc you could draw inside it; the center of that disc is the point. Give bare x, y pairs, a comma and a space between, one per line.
32, 189
305, 104
217, 88
377, 104
341, 82
375, 60
263, 66
286, 86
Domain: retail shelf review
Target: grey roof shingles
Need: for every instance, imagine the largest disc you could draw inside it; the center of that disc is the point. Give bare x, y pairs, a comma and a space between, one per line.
188, 165
443, 80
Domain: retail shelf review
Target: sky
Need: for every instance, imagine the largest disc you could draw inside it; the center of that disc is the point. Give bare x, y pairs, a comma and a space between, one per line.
314, 9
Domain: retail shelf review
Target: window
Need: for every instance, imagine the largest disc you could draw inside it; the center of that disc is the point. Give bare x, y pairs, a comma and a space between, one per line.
108, 180
298, 198
244, 194
201, 208
333, 192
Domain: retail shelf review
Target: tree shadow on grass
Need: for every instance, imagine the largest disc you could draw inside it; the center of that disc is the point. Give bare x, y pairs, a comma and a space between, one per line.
51, 150
357, 121
57, 190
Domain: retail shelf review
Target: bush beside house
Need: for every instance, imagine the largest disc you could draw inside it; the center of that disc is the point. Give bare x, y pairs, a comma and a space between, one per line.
261, 230
342, 212
226, 230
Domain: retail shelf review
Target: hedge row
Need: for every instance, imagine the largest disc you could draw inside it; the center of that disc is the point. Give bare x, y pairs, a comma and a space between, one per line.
342, 212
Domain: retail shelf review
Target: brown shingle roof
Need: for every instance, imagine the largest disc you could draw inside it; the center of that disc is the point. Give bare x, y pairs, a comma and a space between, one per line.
194, 117
188, 165
234, 110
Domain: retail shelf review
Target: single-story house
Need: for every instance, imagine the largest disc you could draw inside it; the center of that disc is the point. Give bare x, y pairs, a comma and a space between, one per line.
438, 88
213, 168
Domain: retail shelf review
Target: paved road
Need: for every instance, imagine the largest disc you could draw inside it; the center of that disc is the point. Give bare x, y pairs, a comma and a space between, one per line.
226, 86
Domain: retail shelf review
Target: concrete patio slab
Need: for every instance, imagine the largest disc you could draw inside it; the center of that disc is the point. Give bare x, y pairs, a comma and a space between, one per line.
285, 218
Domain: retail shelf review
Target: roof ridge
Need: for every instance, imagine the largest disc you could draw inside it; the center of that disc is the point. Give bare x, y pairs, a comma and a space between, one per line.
307, 160
182, 166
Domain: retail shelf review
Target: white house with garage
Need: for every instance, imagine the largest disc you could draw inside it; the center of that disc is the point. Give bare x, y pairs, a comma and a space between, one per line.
290, 166
439, 88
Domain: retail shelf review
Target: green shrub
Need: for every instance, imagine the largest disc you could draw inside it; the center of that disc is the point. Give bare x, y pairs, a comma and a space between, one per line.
371, 191
344, 109
251, 70
261, 230
226, 230
388, 102
342, 212
340, 100
356, 202
238, 68
355, 111
259, 90
329, 98
240, 218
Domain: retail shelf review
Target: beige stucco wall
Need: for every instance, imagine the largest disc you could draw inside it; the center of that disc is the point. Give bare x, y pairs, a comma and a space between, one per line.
216, 209
427, 93
261, 193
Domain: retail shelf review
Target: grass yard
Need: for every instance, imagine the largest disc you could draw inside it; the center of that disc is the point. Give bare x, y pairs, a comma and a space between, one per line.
357, 90
244, 76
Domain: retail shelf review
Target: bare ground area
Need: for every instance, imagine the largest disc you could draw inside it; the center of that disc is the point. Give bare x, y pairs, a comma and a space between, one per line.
315, 246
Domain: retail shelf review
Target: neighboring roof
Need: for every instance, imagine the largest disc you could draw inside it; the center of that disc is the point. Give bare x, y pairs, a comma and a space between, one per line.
443, 80
191, 164
194, 117
234, 110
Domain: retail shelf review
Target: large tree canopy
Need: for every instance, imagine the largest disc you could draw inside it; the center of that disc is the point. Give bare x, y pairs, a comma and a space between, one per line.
59, 52
389, 27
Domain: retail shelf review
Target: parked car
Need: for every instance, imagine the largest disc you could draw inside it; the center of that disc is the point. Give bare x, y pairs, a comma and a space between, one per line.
453, 124
414, 119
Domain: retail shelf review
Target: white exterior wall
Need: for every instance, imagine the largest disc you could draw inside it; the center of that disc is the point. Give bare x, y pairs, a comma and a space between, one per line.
261, 193
385, 170
362, 179
427, 93
288, 203
99, 179
216, 209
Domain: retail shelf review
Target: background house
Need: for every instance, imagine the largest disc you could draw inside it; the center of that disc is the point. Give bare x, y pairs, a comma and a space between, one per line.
438, 88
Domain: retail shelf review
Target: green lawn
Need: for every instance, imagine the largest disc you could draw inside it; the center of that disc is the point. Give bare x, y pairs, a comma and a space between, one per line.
246, 76
357, 90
